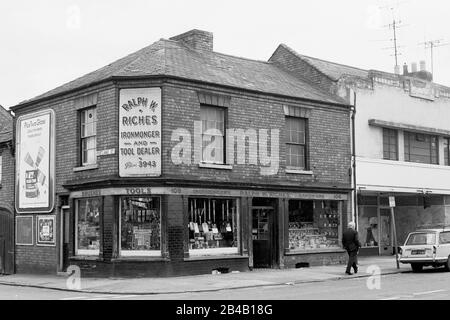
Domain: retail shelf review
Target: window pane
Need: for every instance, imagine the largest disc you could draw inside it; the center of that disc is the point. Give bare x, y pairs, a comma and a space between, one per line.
140, 226
296, 130
313, 226
421, 148
88, 225
295, 156
212, 142
212, 226
88, 131
390, 144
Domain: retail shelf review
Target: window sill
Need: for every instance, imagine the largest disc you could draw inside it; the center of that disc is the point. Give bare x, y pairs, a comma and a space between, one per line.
87, 167
140, 259
216, 257
85, 258
292, 252
299, 171
215, 166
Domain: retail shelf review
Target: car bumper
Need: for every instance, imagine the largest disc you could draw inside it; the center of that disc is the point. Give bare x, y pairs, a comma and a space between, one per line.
423, 260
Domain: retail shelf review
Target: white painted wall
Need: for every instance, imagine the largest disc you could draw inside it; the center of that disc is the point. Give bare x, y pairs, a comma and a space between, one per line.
393, 104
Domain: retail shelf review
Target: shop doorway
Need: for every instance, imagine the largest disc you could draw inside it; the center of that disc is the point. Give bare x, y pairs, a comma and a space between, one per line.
264, 233
64, 241
6, 242
385, 230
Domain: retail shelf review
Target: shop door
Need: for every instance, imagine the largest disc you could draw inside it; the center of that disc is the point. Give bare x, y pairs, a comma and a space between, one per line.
262, 235
385, 232
6, 243
65, 225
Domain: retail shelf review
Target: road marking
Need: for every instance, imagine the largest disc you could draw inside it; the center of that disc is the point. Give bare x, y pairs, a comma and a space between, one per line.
428, 292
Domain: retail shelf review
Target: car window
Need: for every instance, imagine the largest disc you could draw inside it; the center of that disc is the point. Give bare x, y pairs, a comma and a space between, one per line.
444, 237
421, 238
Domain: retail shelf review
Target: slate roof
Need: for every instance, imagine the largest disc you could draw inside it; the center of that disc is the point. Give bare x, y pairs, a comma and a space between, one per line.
6, 125
172, 58
333, 70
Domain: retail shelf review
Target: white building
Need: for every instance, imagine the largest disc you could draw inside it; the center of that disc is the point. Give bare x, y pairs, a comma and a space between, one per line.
402, 138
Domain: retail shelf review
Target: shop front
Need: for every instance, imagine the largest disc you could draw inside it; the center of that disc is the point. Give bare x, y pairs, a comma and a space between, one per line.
411, 211
163, 231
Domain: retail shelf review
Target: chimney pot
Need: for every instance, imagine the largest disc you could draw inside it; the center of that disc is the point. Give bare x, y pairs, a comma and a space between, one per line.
423, 66
405, 69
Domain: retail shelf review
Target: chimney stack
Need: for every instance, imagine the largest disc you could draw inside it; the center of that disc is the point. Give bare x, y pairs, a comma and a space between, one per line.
405, 69
196, 39
423, 66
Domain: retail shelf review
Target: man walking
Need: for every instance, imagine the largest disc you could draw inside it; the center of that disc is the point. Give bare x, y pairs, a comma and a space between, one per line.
351, 243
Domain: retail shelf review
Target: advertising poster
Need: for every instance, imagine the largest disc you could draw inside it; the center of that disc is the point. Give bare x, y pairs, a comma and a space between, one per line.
34, 162
140, 132
46, 230
24, 230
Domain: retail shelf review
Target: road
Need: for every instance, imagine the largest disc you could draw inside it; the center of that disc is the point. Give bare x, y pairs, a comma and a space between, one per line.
433, 284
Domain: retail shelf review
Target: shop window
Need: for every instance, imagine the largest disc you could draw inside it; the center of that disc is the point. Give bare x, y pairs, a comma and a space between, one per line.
390, 144
213, 134
368, 226
313, 225
296, 129
421, 148
88, 135
213, 226
140, 226
88, 226
446, 151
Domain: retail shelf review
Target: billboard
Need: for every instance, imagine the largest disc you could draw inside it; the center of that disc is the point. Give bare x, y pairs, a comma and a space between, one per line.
140, 132
35, 159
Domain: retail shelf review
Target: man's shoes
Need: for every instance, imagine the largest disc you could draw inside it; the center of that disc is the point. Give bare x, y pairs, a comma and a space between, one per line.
356, 270
349, 273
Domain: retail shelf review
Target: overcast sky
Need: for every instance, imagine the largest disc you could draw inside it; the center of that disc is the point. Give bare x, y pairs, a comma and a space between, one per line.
46, 43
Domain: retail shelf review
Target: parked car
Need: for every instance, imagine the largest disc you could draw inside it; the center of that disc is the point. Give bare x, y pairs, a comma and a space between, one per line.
427, 247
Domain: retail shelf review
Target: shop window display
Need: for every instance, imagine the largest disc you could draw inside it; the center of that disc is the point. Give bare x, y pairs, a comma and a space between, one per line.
313, 225
213, 226
368, 226
140, 225
88, 226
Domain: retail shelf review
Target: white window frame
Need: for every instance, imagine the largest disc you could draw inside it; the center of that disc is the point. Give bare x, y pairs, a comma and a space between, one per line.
221, 251
140, 253
83, 252
92, 136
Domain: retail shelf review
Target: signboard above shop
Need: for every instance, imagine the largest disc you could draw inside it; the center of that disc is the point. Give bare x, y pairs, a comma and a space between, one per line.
140, 132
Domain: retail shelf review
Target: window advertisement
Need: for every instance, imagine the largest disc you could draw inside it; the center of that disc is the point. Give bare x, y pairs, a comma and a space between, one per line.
140, 226
314, 225
140, 132
213, 227
88, 226
35, 162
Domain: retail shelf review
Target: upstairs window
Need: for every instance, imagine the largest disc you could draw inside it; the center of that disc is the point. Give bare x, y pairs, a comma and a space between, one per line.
390, 144
296, 146
421, 148
213, 134
88, 135
446, 151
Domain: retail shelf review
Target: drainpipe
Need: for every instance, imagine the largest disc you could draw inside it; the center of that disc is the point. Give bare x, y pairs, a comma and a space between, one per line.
355, 195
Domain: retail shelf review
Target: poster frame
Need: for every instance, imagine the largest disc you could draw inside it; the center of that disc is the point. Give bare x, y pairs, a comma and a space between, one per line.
46, 243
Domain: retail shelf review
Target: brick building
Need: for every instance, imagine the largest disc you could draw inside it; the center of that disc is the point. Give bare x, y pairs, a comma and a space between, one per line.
6, 192
401, 145
177, 159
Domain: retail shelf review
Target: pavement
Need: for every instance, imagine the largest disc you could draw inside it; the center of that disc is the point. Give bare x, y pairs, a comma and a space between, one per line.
205, 283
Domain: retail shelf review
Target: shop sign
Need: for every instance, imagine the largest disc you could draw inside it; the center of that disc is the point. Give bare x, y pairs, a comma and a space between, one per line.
140, 132
207, 192
392, 202
35, 162
46, 230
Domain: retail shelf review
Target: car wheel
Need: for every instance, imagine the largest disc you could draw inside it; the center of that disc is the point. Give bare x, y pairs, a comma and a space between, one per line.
447, 264
416, 267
